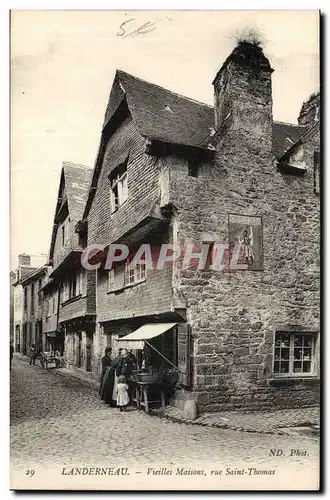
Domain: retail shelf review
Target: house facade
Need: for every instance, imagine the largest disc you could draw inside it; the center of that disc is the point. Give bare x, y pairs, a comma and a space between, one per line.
173, 171
33, 308
18, 333
69, 293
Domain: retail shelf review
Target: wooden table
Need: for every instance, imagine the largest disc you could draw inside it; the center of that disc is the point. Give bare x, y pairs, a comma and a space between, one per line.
142, 393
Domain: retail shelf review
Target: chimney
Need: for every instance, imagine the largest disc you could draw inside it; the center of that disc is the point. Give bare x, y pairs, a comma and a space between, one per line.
243, 100
310, 111
24, 260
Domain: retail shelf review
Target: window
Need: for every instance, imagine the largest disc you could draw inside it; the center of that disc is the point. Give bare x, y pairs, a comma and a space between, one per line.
111, 280
63, 235
64, 290
54, 305
72, 288
193, 167
32, 298
67, 229
25, 299
294, 353
39, 288
79, 283
317, 172
118, 186
134, 273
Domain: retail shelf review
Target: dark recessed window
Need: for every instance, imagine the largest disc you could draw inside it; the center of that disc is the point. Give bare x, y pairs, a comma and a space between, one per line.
193, 167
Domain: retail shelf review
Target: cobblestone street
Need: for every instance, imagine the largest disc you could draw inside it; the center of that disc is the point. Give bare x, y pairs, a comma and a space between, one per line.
58, 421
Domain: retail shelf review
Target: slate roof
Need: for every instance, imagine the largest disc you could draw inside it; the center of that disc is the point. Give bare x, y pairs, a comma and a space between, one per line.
77, 179
285, 135
162, 115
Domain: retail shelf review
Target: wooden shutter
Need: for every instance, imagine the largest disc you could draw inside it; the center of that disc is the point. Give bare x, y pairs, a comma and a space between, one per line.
184, 354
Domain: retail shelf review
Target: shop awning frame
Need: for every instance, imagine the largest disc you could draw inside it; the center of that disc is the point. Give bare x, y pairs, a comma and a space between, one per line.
138, 338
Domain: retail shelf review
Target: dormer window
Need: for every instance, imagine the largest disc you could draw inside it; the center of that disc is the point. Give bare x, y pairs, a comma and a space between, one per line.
118, 186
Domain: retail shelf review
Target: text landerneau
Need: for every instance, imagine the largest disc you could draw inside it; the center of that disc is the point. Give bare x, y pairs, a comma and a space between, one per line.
95, 471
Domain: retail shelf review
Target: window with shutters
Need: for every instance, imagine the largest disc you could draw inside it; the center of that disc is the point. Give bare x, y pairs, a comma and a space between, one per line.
294, 354
118, 186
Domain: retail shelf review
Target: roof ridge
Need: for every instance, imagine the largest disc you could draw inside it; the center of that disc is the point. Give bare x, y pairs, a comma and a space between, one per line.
195, 101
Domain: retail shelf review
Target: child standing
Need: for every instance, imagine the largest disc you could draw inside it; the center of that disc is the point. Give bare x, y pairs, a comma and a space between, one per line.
122, 393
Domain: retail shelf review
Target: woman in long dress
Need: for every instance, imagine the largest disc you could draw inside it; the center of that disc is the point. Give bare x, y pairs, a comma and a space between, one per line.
107, 376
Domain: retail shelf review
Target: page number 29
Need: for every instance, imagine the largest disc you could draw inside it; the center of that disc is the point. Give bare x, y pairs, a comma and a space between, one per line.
29, 472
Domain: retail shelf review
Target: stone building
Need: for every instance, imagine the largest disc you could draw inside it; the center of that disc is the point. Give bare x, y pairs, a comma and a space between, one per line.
69, 294
32, 308
176, 171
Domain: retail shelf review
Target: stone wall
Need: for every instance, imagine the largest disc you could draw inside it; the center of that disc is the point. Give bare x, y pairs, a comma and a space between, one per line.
234, 314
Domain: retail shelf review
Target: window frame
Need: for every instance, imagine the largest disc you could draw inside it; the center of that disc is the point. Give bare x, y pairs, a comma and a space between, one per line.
118, 186
291, 360
32, 298
25, 299
63, 235
134, 274
111, 280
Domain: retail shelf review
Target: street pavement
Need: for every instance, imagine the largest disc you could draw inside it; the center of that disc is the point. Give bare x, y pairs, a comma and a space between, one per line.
59, 421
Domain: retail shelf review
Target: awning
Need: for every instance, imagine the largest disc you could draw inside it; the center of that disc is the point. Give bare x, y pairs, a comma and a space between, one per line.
135, 340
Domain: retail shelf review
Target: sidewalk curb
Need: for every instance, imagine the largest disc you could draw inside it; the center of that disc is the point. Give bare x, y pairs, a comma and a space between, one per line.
217, 425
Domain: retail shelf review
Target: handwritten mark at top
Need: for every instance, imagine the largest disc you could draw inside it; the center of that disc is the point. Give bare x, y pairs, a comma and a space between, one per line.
141, 30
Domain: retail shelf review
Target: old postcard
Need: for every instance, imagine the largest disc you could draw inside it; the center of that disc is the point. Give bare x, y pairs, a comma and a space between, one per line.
165, 258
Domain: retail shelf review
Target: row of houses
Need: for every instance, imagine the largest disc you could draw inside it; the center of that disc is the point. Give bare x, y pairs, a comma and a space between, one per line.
171, 170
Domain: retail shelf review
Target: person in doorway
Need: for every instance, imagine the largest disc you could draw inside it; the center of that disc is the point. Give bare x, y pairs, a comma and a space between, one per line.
122, 393
32, 354
11, 349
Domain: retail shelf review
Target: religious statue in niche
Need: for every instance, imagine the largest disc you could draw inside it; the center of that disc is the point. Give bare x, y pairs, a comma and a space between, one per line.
245, 240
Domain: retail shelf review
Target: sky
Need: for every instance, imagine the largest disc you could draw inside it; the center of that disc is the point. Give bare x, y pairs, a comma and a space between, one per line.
62, 68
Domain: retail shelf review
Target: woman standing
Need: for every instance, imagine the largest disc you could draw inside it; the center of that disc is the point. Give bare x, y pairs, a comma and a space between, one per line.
107, 375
